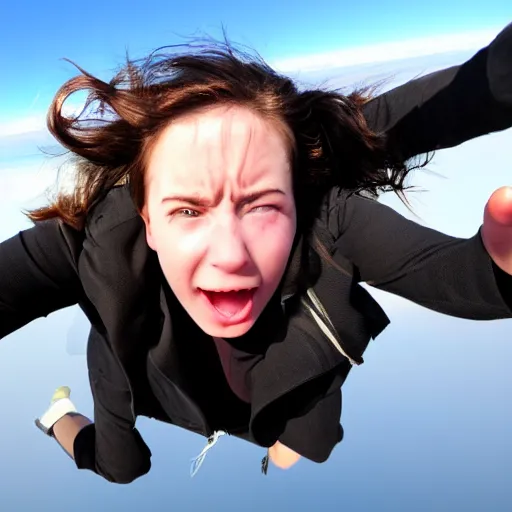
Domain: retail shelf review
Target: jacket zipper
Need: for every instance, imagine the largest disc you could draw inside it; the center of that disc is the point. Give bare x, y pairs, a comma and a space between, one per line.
323, 321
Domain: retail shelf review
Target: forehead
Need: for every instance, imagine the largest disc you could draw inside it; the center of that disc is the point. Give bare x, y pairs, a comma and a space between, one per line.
208, 148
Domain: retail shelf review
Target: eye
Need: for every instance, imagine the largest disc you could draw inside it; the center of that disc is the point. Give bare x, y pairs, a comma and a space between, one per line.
264, 208
187, 212
184, 212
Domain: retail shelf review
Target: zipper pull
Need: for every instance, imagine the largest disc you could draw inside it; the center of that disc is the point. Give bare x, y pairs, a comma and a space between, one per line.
197, 462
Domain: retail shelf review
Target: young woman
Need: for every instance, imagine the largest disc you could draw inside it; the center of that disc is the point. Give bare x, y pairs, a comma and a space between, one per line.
216, 237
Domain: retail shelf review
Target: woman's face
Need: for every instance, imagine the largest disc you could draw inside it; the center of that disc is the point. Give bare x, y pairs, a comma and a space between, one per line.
220, 213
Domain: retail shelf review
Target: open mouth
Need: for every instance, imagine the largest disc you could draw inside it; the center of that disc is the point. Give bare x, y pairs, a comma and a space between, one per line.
231, 304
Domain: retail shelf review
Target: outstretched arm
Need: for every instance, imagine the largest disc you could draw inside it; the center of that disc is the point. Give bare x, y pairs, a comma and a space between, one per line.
454, 276
38, 274
451, 106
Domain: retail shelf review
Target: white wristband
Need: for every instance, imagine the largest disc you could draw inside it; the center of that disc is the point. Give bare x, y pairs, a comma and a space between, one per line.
56, 411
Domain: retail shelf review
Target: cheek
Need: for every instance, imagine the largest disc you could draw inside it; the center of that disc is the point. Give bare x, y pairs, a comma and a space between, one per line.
271, 242
179, 252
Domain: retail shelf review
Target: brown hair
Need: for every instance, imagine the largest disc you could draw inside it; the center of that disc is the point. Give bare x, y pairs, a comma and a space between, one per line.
111, 136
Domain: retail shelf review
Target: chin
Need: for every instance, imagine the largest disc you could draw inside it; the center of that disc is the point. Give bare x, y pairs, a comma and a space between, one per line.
231, 331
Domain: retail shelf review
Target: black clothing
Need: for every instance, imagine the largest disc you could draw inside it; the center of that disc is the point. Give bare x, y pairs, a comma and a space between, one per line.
446, 108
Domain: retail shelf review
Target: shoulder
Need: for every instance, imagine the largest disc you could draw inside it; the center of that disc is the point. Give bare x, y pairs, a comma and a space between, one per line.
336, 212
115, 242
50, 244
115, 212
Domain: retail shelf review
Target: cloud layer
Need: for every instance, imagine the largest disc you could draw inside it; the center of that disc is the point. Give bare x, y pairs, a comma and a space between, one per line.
389, 51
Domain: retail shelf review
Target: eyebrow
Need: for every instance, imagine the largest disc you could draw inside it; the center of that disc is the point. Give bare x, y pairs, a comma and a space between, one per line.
201, 201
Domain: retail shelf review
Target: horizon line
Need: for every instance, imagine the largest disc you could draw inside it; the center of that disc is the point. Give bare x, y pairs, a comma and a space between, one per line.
390, 51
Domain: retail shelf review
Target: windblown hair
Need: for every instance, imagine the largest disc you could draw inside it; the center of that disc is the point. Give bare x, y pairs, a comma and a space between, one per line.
110, 139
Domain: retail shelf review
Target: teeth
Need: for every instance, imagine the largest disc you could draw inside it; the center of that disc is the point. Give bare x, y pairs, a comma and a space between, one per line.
232, 290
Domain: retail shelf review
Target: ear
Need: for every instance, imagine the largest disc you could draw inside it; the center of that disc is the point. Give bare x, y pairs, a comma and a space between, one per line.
149, 237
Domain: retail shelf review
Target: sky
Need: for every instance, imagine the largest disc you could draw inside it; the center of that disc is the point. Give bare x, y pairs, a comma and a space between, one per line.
427, 417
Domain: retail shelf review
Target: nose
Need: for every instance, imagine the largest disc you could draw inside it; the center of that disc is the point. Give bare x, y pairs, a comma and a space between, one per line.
228, 250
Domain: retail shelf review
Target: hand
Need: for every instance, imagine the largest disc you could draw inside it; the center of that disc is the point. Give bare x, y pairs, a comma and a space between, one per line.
497, 228
282, 456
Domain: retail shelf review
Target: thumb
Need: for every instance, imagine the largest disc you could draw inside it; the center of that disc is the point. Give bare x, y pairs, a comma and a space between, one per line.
498, 209
497, 228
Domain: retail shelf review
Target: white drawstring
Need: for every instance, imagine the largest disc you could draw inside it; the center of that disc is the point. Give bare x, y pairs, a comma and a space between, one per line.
197, 462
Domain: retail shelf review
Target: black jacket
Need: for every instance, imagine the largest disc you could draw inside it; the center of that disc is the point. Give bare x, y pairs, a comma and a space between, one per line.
295, 384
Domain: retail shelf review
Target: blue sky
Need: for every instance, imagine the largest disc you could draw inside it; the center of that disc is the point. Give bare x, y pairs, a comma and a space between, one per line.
427, 418
97, 34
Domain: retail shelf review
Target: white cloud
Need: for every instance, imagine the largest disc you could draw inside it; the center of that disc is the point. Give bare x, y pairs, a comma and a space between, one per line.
389, 51
33, 123
17, 185
29, 183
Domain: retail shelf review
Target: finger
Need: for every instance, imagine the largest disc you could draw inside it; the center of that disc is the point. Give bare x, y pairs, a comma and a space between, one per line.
497, 228
499, 207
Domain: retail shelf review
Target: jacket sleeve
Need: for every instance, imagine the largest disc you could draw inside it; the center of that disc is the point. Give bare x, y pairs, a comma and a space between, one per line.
449, 107
38, 274
454, 276
111, 447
